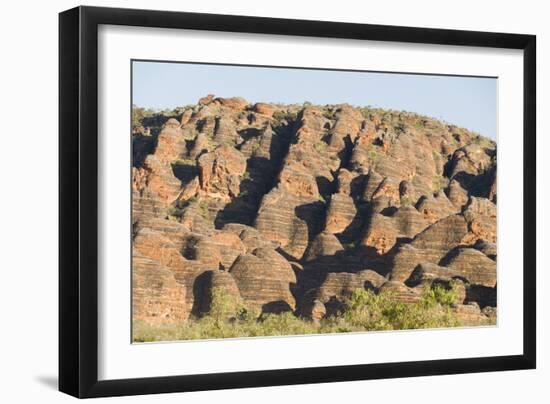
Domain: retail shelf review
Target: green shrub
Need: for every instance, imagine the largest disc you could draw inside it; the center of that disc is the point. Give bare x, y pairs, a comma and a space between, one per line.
441, 295
365, 310
367, 112
482, 141
369, 311
439, 182
405, 201
400, 127
350, 245
420, 123
204, 208
329, 113
320, 146
184, 162
138, 114
174, 213
372, 153
279, 116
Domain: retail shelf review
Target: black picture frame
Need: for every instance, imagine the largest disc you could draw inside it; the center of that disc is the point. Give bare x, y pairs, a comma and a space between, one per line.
78, 201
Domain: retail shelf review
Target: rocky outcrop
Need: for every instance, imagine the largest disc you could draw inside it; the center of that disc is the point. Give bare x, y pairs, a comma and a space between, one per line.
220, 172
324, 245
293, 207
265, 109
206, 99
215, 282
279, 222
470, 314
340, 214
229, 246
456, 194
332, 294
156, 179
382, 232
264, 279
474, 266
233, 103
429, 246
156, 296
249, 236
436, 207
427, 273
156, 246
200, 145
487, 248
400, 292
481, 215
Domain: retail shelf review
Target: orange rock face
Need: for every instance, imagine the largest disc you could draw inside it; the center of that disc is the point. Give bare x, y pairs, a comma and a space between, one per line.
293, 207
234, 103
264, 279
220, 172
264, 109
156, 296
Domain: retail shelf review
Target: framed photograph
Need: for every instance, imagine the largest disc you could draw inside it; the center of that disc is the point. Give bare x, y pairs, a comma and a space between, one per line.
251, 201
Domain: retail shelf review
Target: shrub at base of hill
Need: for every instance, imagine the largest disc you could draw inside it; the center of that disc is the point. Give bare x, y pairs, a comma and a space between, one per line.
365, 311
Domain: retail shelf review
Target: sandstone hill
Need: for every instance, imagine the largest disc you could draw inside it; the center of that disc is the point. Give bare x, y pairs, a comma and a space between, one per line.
292, 207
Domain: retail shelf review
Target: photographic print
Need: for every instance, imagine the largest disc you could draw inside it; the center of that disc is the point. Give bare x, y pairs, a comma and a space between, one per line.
276, 201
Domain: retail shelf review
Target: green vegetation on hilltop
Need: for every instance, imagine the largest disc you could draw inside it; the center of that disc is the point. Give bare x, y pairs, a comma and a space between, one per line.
399, 121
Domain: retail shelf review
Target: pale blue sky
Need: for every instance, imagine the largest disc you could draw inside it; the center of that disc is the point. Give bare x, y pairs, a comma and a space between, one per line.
469, 102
